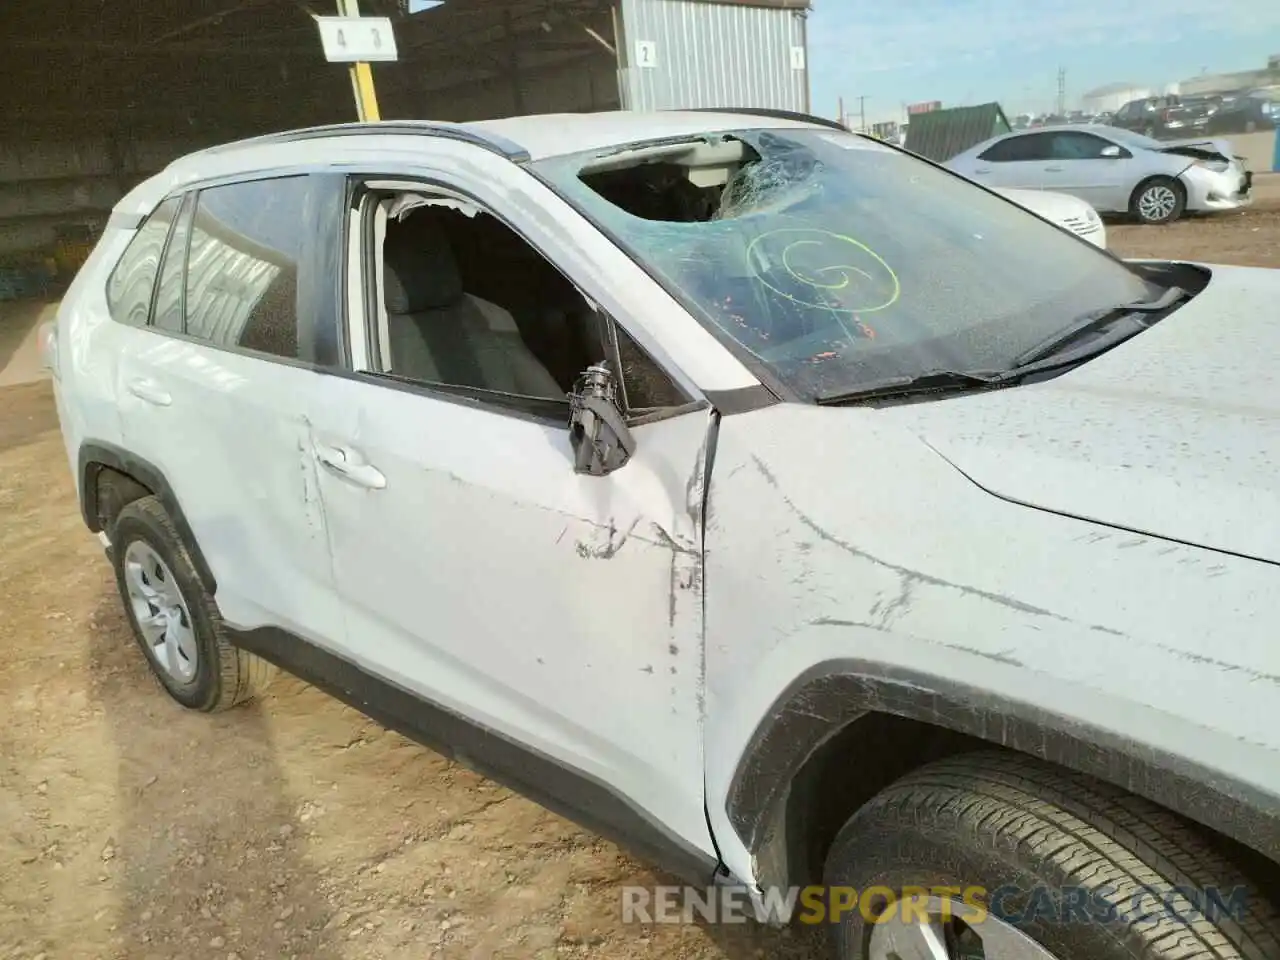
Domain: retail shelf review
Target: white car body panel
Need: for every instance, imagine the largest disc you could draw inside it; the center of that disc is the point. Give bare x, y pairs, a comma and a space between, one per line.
233, 443
914, 567
537, 636
86, 402
1175, 433
1068, 212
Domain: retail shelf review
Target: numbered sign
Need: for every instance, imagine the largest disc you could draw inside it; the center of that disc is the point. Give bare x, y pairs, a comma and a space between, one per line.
357, 39
646, 53
797, 58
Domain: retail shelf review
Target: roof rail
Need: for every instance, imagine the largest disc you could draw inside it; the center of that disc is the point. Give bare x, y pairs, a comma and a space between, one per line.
775, 115
451, 131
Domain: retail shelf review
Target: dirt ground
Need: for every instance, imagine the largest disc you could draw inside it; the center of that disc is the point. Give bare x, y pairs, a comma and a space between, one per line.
294, 827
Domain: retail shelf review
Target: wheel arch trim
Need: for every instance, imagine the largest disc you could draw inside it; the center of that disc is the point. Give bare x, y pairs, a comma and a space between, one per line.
832, 695
96, 455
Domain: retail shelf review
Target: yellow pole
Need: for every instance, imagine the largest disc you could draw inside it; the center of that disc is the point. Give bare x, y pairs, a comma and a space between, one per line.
361, 74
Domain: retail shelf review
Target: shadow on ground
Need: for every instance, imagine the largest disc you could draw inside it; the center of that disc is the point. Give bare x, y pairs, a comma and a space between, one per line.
208, 855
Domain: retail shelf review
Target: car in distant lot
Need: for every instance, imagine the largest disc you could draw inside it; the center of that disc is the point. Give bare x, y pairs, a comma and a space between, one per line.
1166, 116
1115, 171
1243, 113
760, 495
1070, 213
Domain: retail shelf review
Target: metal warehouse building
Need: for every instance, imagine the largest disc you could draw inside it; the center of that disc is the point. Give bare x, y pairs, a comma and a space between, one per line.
101, 94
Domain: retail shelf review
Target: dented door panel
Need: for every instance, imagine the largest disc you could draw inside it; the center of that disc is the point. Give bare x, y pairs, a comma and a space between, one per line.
234, 444
560, 610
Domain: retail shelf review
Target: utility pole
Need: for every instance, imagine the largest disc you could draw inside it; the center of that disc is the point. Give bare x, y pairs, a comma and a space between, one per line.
1062, 91
361, 74
841, 115
862, 114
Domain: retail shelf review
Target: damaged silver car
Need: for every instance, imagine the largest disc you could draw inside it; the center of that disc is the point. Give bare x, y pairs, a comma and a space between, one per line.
1116, 171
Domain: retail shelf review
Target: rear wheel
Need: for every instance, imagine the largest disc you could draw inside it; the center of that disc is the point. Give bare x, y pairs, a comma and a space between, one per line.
174, 619
1011, 859
1158, 200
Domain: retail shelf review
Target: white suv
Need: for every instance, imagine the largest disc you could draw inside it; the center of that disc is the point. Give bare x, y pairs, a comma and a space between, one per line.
758, 494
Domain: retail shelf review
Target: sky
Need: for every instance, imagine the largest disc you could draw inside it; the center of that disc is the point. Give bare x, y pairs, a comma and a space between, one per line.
973, 51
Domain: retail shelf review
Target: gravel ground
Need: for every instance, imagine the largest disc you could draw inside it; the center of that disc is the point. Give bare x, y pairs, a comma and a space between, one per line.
293, 827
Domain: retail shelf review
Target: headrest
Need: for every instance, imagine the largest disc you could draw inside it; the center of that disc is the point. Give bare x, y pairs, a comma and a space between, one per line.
421, 272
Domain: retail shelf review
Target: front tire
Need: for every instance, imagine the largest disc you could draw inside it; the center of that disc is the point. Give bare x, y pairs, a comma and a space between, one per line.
1071, 869
174, 619
1158, 200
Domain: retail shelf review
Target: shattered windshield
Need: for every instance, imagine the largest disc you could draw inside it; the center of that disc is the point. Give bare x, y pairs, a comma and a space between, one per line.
834, 260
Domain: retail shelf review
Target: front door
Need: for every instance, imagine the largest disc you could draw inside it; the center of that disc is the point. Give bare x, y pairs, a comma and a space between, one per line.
550, 621
1077, 167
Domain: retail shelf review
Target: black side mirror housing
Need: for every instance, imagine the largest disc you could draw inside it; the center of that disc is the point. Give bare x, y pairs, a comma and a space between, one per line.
598, 432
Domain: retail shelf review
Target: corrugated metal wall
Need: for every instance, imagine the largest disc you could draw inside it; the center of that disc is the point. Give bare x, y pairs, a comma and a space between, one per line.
584, 85
712, 55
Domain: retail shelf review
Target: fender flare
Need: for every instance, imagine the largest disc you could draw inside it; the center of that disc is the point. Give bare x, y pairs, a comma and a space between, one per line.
96, 455
830, 696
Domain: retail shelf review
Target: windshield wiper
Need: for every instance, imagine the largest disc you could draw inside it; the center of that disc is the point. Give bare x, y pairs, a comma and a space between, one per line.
930, 382
1044, 356
1097, 320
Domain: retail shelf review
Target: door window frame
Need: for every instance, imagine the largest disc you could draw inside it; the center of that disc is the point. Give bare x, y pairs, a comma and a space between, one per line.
186, 211
1020, 139
147, 322
1102, 142
321, 343
363, 329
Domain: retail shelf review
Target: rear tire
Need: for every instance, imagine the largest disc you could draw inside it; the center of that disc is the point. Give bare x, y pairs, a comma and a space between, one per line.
174, 619
1063, 848
1158, 200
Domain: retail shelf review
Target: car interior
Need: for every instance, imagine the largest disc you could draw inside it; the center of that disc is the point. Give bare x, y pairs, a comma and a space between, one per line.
467, 302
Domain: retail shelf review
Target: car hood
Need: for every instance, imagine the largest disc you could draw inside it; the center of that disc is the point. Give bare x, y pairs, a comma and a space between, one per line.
1210, 149
1175, 433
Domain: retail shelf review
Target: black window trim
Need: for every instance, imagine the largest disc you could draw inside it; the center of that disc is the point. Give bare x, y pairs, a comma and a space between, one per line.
539, 409
155, 282
186, 208
1022, 136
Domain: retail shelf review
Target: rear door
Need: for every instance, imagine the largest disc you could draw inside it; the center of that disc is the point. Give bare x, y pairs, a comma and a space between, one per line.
215, 388
1016, 161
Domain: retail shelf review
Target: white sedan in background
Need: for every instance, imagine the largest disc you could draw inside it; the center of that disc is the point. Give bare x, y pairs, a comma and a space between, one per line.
1113, 170
1070, 213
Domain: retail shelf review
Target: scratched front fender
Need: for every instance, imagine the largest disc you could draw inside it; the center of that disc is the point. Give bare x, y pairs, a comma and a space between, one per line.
838, 534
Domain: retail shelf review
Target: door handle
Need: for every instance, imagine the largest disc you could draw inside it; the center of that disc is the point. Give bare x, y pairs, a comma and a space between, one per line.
150, 392
348, 465
981, 173
1053, 169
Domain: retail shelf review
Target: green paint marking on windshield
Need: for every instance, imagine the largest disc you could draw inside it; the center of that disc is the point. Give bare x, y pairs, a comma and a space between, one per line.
832, 278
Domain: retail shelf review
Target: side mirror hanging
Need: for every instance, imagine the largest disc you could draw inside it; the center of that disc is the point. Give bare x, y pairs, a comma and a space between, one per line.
598, 433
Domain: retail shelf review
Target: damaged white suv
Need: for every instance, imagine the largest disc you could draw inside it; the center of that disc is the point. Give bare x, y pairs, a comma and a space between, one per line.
760, 495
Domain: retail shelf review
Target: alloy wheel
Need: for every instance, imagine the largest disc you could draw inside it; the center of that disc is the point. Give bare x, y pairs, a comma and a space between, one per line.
161, 612
1157, 203
944, 936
